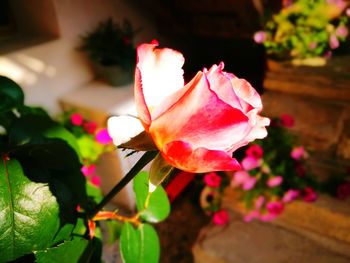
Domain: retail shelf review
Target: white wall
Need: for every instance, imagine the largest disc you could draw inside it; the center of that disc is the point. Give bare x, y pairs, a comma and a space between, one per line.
47, 71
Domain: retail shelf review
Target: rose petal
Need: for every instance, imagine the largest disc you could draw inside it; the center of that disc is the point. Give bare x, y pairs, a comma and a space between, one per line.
199, 160
158, 74
201, 119
123, 128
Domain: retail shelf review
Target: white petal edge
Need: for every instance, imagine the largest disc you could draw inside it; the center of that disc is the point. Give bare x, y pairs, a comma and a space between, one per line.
123, 128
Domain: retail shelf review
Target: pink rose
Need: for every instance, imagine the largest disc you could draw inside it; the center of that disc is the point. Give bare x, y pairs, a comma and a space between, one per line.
333, 42
298, 153
212, 180
221, 217
102, 136
196, 126
255, 151
309, 194
274, 181
250, 163
342, 31
290, 195
275, 207
260, 37
76, 119
287, 120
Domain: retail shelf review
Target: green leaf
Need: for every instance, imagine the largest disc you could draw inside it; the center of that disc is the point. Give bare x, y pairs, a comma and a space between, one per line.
29, 212
67, 252
158, 207
129, 244
139, 245
149, 244
160, 170
31, 127
11, 95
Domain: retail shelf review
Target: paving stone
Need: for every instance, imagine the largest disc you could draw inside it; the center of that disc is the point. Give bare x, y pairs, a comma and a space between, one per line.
258, 242
326, 221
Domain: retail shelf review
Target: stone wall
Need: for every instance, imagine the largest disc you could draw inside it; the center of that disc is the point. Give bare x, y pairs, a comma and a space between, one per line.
319, 99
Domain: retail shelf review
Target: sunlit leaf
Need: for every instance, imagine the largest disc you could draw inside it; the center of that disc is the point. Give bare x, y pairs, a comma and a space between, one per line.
129, 244
140, 245
67, 252
29, 212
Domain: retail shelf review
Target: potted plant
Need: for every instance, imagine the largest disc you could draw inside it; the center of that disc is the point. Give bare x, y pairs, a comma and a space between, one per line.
110, 48
305, 32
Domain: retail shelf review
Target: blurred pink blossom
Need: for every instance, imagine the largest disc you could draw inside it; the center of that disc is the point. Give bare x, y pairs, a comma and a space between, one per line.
347, 12
103, 137
221, 217
267, 217
249, 183
309, 194
287, 120
333, 42
242, 178
255, 151
76, 119
250, 163
250, 216
339, 3
212, 180
298, 153
342, 31
274, 181
260, 37
95, 180
259, 202
88, 170
239, 178
290, 195
275, 207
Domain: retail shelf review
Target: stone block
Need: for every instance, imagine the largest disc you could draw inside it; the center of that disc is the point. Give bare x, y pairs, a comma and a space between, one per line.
317, 123
326, 221
258, 242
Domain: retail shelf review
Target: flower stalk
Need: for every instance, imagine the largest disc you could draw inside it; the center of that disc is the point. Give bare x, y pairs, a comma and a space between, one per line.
145, 159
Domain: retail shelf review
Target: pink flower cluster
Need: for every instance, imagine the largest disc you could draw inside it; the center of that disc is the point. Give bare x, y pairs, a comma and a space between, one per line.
77, 120
90, 172
102, 136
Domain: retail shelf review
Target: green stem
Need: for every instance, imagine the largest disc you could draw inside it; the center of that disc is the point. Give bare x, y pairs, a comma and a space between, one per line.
145, 159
